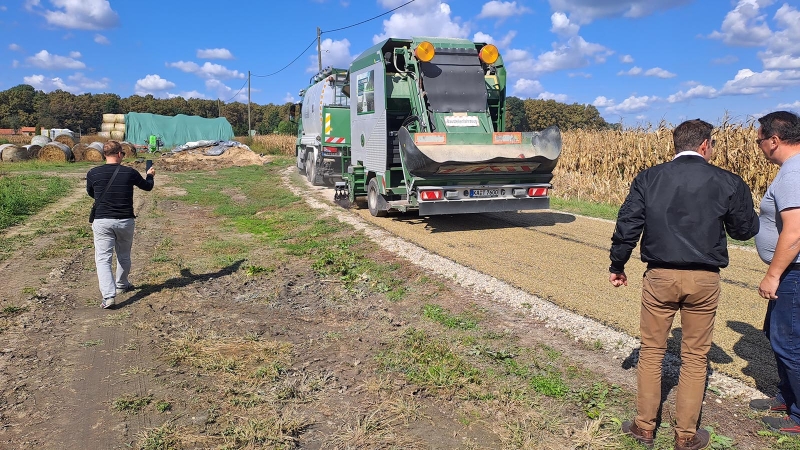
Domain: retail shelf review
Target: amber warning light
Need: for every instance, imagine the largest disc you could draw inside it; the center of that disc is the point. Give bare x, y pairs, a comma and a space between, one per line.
424, 51
489, 54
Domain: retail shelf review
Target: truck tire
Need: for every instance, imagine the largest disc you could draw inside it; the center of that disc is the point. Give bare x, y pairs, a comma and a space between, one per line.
312, 170
300, 170
375, 201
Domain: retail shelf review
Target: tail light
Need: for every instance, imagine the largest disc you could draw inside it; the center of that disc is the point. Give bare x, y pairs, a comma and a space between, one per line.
331, 149
430, 195
537, 192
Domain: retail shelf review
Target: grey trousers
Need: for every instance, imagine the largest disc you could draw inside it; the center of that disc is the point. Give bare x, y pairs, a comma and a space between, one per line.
112, 235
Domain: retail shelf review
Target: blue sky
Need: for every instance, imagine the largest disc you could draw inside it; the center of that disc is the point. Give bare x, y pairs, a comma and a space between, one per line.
637, 61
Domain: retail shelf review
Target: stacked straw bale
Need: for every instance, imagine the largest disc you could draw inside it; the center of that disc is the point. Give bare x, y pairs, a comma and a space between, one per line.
113, 127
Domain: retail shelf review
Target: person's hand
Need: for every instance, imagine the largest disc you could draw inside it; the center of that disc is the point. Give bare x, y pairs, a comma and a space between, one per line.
152, 171
618, 279
769, 287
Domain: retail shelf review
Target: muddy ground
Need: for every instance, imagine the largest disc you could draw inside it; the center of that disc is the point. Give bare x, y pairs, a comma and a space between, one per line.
216, 350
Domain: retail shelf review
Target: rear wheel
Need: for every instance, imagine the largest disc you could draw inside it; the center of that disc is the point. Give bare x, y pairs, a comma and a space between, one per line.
300, 170
312, 171
373, 197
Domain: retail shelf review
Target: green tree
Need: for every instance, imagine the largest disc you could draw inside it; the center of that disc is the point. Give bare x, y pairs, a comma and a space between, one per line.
516, 119
286, 127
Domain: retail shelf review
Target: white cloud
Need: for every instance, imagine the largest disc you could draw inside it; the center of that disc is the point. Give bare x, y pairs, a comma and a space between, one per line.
586, 11
188, 95
632, 104
14, 64
658, 72
575, 53
215, 53
579, 74
207, 70
334, 53
748, 82
74, 55
225, 93
503, 43
795, 105
78, 83
288, 98
603, 102
421, 18
501, 10
46, 60
627, 59
780, 62
102, 40
14, 47
527, 87
153, 84
80, 14
699, 91
744, 26
633, 71
550, 96
515, 55
562, 26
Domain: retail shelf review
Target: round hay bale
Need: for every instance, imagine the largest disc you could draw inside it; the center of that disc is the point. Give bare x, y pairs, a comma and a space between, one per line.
118, 127
119, 118
13, 153
78, 151
40, 140
104, 134
105, 126
109, 118
66, 139
93, 154
97, 146
118, 135
33, 151
129, 149
55, 151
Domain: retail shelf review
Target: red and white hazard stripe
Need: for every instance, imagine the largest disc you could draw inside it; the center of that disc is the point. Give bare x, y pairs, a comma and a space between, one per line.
334, 140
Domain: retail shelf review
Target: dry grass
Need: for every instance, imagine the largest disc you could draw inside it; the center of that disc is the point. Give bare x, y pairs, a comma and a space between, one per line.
281, 144
600, 165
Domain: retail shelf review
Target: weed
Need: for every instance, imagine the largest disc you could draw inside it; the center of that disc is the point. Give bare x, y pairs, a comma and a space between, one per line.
163, 406
161, 438
93, 343
29, 290
257, 270
442, 316
13, 310
131, 403
718, 441
550, 384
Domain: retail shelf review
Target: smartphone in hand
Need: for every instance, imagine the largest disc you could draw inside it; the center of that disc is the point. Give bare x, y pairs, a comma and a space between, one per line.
148, 164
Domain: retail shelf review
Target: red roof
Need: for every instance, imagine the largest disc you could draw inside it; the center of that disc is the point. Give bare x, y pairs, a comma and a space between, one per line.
10, 132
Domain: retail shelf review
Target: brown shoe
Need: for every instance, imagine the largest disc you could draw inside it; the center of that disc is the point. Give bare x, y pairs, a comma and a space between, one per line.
697, 442
644, 437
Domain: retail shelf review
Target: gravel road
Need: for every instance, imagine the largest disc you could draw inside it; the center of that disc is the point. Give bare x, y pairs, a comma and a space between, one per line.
554, 264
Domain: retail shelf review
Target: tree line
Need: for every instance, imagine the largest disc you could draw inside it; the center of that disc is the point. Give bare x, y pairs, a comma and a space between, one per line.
24, 106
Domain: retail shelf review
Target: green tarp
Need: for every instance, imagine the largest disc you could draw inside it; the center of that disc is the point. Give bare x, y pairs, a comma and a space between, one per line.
175, 130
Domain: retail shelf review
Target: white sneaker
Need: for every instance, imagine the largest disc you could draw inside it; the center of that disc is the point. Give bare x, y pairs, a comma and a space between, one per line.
107, 303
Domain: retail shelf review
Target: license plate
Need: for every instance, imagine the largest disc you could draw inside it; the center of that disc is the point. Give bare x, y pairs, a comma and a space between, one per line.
484, 193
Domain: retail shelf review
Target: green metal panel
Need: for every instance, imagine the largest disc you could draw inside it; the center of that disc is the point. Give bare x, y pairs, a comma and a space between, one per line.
337, 127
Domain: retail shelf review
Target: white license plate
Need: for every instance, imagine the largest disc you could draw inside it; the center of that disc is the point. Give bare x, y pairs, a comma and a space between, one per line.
484, 193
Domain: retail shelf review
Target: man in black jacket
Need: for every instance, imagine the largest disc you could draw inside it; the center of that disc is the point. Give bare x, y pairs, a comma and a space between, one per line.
684, 207
113, 223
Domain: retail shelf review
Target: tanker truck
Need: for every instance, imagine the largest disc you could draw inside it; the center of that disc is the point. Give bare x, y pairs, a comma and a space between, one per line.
419, 125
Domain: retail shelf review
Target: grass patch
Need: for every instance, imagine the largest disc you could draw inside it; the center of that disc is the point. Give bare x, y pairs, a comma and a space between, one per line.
585, 208
161, 438
24, 195
11, 310
131, 403
440, 315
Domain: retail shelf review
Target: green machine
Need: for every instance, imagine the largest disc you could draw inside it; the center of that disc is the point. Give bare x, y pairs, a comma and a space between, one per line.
427, 132
154, 143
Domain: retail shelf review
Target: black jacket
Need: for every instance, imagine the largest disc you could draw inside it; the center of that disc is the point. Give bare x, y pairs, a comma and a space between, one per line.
118, 202
684, 206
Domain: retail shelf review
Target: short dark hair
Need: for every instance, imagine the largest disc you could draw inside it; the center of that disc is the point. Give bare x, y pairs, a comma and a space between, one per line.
784, 124
690, 134
111, 148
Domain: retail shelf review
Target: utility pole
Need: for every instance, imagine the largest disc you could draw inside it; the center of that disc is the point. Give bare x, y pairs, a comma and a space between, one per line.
248, 105
319, 49
219, 109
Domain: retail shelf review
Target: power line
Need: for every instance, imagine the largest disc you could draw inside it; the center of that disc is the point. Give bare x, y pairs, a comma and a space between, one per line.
284, 67
237, 93
330, 31
370, 19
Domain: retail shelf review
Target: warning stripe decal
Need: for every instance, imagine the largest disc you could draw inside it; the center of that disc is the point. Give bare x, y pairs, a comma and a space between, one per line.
334, 140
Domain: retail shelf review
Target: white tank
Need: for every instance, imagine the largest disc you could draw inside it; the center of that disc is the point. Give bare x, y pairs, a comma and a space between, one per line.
326, 92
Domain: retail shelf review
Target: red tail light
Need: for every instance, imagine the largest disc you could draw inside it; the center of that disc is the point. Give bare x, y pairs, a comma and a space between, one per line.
537, 192
331, 149
430, 195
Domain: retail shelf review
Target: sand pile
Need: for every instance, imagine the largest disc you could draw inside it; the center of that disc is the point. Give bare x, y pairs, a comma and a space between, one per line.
195, 160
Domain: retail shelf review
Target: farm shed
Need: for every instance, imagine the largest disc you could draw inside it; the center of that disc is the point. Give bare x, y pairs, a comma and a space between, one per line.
175, 130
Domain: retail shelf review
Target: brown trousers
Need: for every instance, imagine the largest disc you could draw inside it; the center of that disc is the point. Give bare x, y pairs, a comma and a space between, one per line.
695, 293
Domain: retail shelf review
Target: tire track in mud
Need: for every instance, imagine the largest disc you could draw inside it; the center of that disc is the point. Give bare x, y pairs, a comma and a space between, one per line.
562, 259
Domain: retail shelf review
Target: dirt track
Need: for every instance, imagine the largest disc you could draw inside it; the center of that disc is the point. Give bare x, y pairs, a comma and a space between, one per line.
563, 258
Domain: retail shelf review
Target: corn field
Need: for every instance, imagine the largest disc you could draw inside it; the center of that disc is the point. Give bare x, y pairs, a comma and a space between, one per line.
599, 166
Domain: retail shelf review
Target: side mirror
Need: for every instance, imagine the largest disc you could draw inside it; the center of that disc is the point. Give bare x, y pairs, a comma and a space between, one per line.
346, 90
